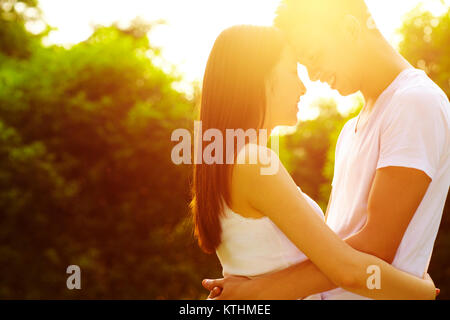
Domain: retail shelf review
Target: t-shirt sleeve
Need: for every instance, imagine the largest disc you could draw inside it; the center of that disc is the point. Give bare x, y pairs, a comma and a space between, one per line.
415, 134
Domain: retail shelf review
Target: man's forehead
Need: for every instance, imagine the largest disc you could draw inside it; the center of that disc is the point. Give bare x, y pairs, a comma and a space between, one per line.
319, 16
304, 46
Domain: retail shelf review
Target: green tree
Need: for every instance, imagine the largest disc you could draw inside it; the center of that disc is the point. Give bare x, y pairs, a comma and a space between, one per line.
15, 40
86, 176
309, 152
426, 44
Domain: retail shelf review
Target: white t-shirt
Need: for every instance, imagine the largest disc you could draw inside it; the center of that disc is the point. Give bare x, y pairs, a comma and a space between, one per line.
408, 127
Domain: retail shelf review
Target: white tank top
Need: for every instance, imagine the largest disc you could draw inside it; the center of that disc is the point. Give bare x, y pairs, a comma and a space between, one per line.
256, 246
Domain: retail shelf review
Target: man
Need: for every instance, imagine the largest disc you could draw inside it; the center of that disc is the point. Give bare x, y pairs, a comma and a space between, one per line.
392, 166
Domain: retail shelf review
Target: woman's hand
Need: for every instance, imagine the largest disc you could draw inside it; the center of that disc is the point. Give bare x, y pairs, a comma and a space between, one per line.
428, 277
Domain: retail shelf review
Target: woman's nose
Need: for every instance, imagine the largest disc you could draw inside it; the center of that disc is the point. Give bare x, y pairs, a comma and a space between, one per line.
301, 88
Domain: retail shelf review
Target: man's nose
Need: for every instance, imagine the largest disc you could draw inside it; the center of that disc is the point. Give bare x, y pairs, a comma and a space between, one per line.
315, 75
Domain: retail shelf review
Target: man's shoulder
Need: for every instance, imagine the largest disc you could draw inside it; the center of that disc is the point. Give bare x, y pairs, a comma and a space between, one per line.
420, 97
419, 91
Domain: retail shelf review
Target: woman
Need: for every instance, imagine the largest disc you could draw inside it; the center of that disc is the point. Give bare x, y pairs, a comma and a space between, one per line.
259, 223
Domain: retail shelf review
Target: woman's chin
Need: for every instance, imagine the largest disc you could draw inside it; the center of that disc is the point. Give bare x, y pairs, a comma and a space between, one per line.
288, 122
291, 122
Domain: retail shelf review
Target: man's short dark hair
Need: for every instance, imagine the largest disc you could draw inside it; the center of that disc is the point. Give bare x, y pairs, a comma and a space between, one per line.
292, 13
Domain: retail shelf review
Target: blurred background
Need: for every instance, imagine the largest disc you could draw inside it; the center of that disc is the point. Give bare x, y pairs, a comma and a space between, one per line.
90, 92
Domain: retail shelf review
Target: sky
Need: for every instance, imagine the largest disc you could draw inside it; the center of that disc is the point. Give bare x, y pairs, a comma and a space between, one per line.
191, 27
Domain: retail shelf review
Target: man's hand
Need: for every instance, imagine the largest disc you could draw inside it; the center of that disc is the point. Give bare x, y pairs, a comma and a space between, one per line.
214, 287
228, 288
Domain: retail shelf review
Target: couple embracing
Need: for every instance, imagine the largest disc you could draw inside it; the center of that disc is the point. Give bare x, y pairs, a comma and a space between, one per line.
391, 174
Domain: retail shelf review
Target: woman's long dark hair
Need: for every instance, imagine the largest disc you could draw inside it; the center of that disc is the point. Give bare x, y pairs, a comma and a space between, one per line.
233, 97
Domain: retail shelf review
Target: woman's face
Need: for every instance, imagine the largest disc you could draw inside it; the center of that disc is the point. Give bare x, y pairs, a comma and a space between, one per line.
283, 91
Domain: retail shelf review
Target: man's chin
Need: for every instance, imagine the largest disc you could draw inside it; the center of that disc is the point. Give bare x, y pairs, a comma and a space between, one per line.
346, 91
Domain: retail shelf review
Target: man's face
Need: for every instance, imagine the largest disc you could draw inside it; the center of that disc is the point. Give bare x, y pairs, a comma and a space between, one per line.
329, 55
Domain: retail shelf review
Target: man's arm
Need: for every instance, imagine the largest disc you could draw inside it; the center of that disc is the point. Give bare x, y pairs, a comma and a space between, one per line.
394, 197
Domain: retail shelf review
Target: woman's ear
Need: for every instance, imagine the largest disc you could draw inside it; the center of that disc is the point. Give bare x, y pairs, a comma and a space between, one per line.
351, 27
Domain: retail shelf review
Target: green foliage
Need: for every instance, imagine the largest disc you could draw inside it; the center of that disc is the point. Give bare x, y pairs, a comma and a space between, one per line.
309, 152
426, 44
15, 40
86, 176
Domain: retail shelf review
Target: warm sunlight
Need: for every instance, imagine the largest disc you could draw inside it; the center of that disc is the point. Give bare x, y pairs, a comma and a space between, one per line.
197, 150
192, 26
